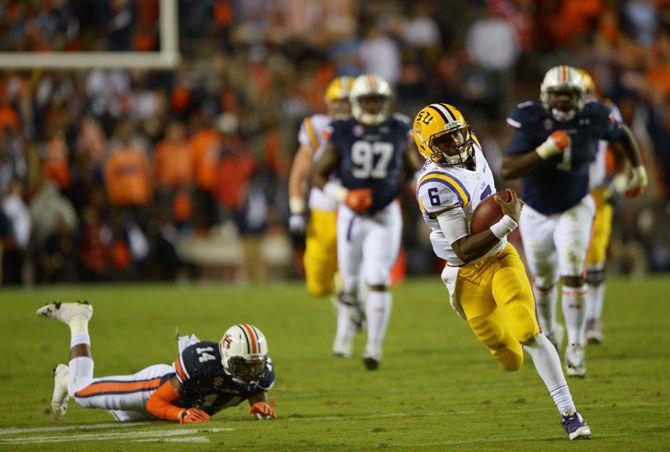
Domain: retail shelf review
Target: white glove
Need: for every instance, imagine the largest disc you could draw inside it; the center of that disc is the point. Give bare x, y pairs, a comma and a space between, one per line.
297, 224
637, 184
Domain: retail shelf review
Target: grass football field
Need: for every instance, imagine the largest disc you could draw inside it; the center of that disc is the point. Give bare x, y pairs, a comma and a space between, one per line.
437, 388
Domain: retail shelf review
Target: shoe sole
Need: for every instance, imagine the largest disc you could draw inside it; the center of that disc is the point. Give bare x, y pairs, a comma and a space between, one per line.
54, 311
580, 433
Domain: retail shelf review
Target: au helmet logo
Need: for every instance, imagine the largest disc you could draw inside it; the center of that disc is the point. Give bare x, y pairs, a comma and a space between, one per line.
227, 341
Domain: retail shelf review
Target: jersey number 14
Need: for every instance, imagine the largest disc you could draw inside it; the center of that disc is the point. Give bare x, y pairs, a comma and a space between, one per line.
371, 160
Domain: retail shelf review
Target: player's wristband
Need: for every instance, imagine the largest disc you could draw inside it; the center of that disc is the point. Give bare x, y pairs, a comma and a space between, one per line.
504, 227
547, 149
296, 205
335, 191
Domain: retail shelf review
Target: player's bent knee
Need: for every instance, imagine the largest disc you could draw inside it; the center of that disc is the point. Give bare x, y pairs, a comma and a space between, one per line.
523, 323
489, 333
509, 359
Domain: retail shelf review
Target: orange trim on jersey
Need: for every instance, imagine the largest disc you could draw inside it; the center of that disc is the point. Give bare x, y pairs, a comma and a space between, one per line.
179, 369
118, 386
252, 338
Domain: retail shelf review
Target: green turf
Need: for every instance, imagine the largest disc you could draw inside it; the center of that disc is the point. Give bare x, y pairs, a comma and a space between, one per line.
437, 387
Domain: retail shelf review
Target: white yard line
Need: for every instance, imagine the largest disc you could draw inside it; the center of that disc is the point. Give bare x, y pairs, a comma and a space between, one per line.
186, 439
162, 434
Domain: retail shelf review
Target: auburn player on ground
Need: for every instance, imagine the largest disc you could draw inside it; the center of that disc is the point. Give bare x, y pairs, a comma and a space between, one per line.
320, 258
205, 378
554, 143
484, 275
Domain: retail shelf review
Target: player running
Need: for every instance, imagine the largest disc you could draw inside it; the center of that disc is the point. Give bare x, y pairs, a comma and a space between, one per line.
205, 378
370, 154
484, 275
554, 143
320, 257
604, 190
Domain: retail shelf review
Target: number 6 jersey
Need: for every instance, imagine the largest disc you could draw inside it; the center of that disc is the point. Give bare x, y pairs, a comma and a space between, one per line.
372, 156
441, 188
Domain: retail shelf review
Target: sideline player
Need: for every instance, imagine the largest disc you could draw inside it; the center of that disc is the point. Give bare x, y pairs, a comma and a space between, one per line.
484, 275
320, 257
370, 153
205, 378
554, 143
603, 191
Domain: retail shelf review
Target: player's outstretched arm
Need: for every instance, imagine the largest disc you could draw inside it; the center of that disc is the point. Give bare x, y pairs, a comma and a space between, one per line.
325, 165
161, 405
299, 178
520, 164
627, 145
261, 407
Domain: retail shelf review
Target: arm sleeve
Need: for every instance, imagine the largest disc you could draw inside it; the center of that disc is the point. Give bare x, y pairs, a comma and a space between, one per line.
612, 122
160, 402
521, 119
453, 224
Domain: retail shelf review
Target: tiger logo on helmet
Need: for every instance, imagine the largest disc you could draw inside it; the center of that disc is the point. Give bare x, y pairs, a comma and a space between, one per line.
337, 97
443, 135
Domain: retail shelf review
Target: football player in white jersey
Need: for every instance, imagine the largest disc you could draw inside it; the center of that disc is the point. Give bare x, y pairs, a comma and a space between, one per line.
320, 257
484, 275
603, 190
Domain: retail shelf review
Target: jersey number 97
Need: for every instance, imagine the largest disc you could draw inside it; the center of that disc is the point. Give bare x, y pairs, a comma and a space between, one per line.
371, 160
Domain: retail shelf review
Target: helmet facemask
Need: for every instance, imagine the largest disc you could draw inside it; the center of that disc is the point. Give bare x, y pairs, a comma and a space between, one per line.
451, 147
247, 370
563, 101
371, 109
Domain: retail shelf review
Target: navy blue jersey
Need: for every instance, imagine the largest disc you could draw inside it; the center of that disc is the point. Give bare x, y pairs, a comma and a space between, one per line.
560, 182
207, 386
372, 157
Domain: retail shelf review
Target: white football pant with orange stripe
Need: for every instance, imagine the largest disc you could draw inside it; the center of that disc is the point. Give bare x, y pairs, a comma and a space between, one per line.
555, 246
124, 396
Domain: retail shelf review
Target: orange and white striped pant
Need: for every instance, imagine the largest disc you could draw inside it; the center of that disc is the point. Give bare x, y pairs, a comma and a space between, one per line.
124, 396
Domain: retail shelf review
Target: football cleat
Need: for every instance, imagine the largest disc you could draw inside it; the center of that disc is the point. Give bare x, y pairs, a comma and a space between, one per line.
574, 361
594, 332
575, 426
65, 311
59, 398
343, 347
370, 362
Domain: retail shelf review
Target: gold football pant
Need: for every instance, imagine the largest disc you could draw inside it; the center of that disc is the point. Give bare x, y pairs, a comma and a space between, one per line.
602, 228
498, 302
321, 252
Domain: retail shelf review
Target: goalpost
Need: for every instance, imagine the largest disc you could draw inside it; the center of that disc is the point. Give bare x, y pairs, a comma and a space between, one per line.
167, 57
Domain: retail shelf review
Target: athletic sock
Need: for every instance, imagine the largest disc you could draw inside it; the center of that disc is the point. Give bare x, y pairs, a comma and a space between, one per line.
78, 324
81, 373
548, 366
378, 306
546, 308
595, 279
574, 313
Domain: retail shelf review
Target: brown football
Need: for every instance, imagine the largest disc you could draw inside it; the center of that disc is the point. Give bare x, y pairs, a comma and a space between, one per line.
487, 213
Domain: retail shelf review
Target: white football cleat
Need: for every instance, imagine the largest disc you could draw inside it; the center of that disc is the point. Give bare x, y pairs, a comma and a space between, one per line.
343, 347
60, 397
65, 311
574, 361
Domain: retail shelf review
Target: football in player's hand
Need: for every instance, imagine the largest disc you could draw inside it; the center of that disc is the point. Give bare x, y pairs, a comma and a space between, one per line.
488, 212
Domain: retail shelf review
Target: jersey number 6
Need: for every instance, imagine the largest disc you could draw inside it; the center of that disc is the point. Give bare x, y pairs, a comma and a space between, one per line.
363, 157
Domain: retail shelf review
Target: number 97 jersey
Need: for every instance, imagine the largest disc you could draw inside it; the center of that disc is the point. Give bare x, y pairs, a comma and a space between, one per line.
372, 156
441, 188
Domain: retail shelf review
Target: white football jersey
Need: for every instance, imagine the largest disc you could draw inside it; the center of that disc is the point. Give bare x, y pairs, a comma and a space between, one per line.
313, 133
440, 188
598, 169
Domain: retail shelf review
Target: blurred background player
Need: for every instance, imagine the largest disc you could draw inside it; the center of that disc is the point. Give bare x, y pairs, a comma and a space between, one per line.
554, 143
485, 276
320, 258
370, 154
205, 378
605, 190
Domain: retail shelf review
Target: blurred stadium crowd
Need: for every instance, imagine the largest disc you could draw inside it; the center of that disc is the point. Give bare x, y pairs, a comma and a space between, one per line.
137, 174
